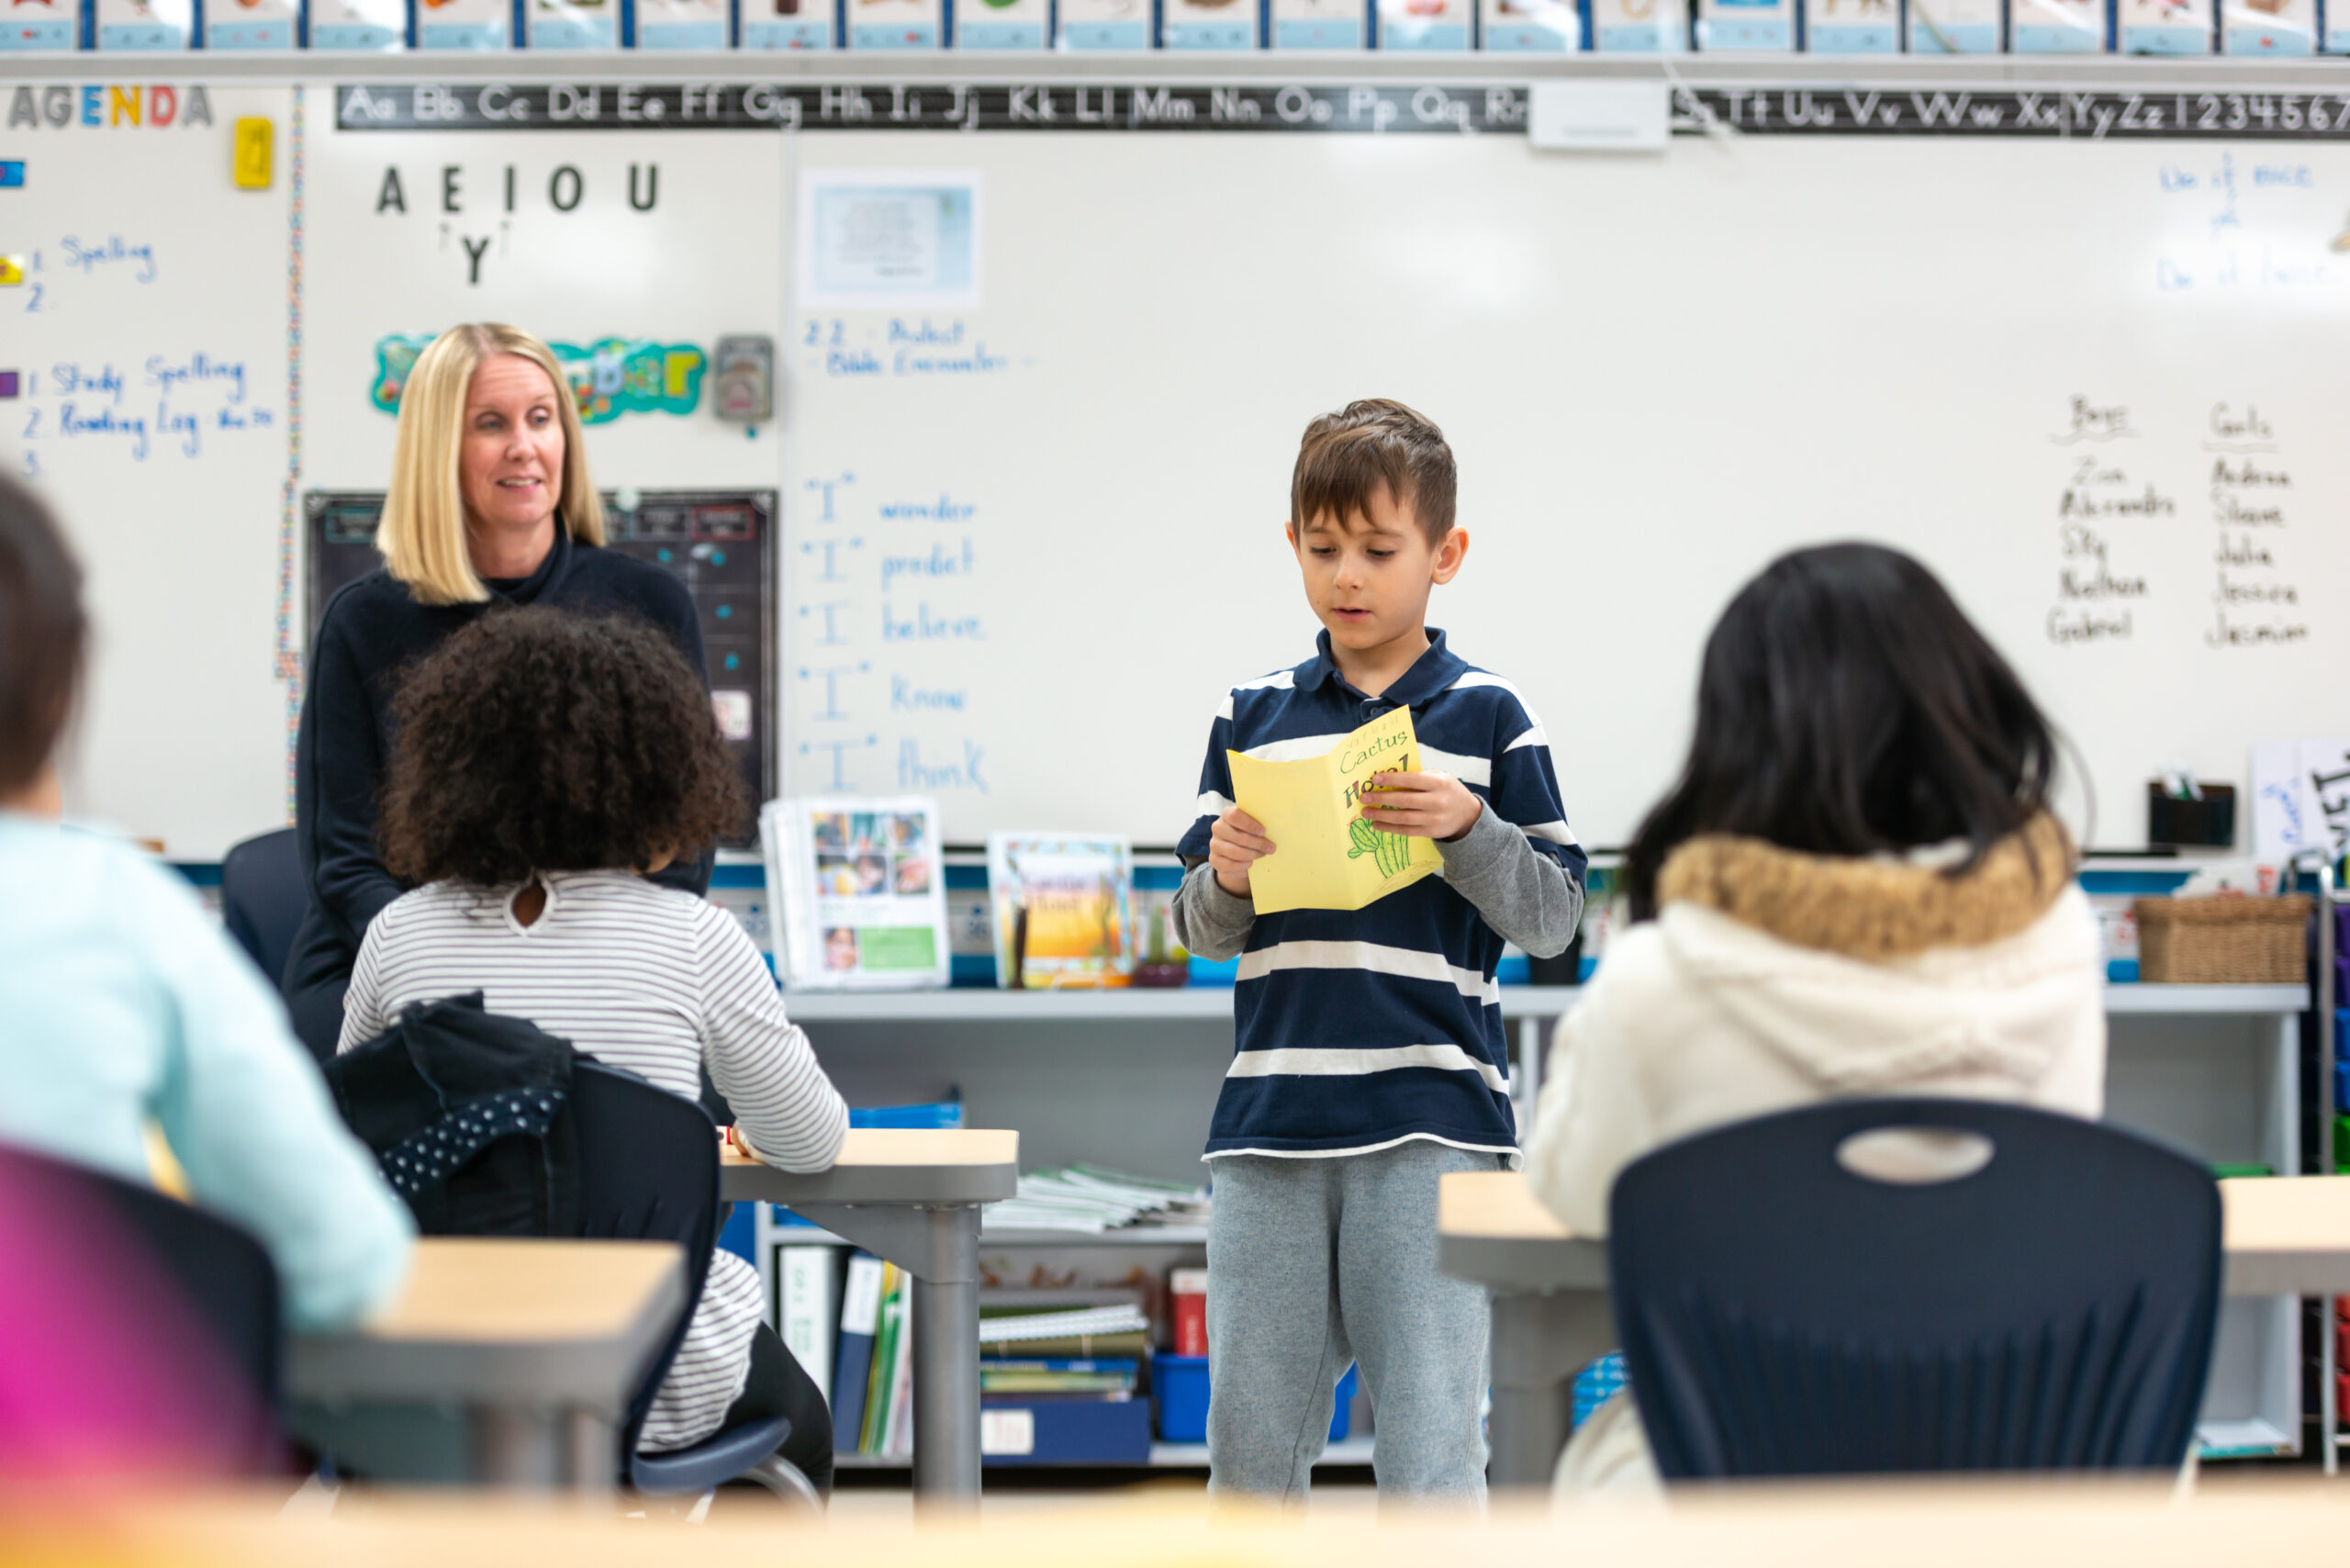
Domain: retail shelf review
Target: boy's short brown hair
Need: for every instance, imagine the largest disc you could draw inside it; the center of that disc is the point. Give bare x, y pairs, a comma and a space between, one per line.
1375, 444
43, 630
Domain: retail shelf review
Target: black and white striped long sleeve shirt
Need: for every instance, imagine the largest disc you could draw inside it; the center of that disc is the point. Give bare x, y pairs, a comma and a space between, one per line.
645, 977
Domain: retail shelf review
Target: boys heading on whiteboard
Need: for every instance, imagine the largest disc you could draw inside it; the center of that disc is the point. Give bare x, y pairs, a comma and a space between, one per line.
1370, 1056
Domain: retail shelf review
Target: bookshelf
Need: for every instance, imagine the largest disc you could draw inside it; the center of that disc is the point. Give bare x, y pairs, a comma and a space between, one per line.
982, 1004
1163, 1456
1126, 1078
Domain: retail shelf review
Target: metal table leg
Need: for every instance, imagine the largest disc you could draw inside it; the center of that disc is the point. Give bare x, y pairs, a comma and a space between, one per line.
939, 1245
591, 1452
512, 1446
1540, 1342
946, 1365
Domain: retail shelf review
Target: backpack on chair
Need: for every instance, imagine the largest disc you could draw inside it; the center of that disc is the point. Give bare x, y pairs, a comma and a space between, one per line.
462, 1108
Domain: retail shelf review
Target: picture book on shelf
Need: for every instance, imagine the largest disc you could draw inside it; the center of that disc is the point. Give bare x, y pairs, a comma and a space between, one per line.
1064, 909
861, 887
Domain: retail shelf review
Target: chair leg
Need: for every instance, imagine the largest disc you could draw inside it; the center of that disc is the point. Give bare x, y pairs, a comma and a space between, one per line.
783, 1478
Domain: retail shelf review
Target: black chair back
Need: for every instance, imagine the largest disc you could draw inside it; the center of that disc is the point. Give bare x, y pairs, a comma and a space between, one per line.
648, 1171
199, 1295
1782, 1314
263, 897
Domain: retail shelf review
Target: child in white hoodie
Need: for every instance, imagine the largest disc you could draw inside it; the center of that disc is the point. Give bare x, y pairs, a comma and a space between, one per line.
1855, 889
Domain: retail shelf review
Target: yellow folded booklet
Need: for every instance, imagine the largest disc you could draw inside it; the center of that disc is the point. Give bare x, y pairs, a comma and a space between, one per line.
1326, 855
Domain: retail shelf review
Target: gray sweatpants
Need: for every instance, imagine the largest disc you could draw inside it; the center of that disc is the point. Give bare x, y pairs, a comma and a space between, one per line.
1314, 1263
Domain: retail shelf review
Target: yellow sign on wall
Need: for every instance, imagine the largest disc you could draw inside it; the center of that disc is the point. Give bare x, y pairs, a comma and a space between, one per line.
252, 169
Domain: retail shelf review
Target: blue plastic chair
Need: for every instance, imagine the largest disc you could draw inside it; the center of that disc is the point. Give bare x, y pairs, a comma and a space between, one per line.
263, 899
1783, 1316
648, 1169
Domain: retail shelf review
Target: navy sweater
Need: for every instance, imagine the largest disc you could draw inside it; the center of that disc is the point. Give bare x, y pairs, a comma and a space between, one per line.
373, 629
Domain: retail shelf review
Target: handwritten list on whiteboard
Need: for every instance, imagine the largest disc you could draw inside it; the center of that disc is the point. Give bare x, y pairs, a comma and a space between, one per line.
149, 345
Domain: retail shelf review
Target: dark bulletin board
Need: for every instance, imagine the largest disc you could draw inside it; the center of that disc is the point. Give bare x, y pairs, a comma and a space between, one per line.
720, 542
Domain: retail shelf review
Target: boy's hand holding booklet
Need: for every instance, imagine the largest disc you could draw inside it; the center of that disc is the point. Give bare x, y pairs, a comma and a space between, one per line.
1329, 857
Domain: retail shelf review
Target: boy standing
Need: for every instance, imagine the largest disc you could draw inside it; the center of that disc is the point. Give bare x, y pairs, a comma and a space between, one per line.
1371, 1058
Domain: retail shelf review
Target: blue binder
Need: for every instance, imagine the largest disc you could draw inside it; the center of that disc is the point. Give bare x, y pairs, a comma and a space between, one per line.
853, 1366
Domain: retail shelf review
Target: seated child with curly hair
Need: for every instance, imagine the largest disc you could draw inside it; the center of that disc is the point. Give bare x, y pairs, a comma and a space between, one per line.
547, 762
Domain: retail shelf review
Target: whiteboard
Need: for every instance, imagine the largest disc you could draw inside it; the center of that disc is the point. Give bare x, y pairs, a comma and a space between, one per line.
149, 339
1657, 373
1019, 575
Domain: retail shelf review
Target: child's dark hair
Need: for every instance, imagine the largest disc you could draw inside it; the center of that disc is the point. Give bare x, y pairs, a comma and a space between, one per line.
43, 634
1847, 706
1373, 443
535, 740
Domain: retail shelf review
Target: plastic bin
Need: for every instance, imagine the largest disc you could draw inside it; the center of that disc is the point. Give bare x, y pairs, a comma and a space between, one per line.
1596, 1383
1178, 1385
1075, 1431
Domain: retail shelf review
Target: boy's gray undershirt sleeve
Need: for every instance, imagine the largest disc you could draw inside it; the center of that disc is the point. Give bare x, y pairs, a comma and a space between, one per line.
1209, 920
1523, 893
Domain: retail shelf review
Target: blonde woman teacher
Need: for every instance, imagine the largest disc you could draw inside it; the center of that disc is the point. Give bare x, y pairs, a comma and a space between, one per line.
490, 505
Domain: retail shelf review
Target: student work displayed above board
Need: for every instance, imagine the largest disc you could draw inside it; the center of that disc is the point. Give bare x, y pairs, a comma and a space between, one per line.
1037, 395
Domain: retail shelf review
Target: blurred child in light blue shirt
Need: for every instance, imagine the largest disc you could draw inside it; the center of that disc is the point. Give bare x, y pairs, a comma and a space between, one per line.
122, 1003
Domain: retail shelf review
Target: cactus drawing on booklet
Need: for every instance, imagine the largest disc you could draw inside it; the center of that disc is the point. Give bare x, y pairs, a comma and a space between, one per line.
1392, 852
1326, 855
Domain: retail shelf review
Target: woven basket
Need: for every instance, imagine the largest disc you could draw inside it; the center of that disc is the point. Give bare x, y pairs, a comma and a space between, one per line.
2222, 941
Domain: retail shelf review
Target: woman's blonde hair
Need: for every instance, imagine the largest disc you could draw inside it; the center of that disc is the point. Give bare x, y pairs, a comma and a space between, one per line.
422, 533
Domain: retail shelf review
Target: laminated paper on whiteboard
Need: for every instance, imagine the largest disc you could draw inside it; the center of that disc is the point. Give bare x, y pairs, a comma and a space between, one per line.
681, 24
2165, 27
1852, 27
366, 25
1317, 24
787, 24
1534, 26
1637, 26
2279, 28
1002, 23
1953, 26
1746, 26
463, 24
2056, 27
40, 25
1427, 25
1103, 24
1220, 24
895, 24
890, 240
250, 24
573, 24
145, 24
1599, 117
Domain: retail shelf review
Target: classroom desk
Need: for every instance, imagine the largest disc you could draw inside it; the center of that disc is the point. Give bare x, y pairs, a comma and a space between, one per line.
2283, 1236
541, 1344
913, 1198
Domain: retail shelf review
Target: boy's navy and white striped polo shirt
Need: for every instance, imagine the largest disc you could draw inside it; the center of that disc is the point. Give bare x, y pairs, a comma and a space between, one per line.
1359, 1029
